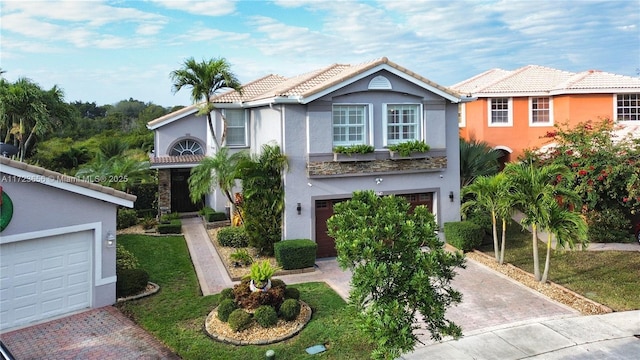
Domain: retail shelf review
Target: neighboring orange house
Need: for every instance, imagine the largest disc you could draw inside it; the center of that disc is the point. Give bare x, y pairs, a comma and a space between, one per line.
515, 109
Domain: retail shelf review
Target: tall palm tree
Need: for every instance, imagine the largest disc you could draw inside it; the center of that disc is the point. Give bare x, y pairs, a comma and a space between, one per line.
206, 78
477, 158
533, 192
567, 227
487, 192
221, 169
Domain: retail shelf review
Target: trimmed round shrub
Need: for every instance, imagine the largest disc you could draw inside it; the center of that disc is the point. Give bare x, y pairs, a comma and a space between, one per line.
131, 282
126, 218
226, 307
290, 309
266, 316
233, 236
275, 283
292, 293
227, 294
125, 259
239, 320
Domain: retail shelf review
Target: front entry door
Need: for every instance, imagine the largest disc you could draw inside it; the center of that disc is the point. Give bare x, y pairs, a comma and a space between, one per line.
180, 201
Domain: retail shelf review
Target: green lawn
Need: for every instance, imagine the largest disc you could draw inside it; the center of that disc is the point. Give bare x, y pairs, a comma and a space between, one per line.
177, 313
608, 277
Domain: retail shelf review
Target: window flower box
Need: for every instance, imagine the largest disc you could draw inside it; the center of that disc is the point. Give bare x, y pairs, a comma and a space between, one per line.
394, 155
354, 153
415, 149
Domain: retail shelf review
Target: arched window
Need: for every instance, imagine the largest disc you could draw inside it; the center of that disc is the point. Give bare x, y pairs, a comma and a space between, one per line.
186, 147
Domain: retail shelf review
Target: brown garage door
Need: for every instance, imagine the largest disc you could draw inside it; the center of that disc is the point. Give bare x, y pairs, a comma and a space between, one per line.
324, 210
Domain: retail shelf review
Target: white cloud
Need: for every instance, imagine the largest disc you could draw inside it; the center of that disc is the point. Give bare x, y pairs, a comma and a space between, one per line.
206, 8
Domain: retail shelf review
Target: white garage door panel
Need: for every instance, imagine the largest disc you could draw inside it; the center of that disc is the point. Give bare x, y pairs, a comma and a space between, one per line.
45, 277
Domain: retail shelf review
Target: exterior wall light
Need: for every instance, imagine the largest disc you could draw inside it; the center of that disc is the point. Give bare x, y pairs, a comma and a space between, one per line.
299, 208
111, 239
451, 196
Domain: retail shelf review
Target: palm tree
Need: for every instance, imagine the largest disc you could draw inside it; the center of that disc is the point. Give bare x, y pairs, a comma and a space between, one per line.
487, 192
477, 158
533, 192
567, 227
205, 79
221, 169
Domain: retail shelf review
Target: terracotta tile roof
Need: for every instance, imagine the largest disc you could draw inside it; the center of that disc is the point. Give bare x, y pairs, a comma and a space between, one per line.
251, 90
53, 176
182, 159
316, 81
540, 79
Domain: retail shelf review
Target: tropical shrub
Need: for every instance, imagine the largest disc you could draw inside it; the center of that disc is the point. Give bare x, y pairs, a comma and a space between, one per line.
290, 309
265, 316
239, 319
226, 307
607, 225
233, 236
241, 257
261, 272
131, 282
125, 259
126, 218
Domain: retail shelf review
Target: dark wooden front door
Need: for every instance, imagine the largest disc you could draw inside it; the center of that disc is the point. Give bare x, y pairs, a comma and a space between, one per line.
180, 201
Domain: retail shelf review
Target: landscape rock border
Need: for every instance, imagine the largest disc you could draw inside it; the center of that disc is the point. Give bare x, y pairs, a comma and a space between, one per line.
151, 289
304, 318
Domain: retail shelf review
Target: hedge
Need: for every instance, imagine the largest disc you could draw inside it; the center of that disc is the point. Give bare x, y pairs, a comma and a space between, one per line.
233, 236
295, 254
464, 235
131, 282
173, 227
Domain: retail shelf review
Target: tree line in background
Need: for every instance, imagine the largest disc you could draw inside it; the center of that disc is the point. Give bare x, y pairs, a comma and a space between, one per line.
106, 144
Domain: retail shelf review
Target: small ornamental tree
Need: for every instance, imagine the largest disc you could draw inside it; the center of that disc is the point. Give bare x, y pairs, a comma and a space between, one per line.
401, 273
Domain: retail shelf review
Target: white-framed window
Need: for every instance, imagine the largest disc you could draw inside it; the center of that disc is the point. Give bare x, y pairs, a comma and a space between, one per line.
462, 115
186, 147
236, 127
627, 107
349, 124
401, 122
500, 112
540, 111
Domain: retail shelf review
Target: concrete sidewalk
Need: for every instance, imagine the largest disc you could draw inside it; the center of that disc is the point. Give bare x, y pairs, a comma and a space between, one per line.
500, 318
598, 337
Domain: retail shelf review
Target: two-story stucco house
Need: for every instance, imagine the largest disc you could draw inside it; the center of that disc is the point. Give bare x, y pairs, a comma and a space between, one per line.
515, 109
378, 103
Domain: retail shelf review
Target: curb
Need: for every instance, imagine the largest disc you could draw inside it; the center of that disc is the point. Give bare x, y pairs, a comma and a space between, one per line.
155, 289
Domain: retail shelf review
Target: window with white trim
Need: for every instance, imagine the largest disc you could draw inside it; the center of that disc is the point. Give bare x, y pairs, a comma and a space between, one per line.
402, 122
236, 127
349, 124
540, 111
500, 112
628, 107
186, 147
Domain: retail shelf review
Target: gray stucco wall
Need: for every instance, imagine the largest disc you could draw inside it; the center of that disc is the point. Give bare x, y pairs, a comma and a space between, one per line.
191, 127
38, 207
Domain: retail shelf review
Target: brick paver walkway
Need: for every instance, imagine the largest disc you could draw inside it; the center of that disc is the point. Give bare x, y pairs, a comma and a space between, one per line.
100, 334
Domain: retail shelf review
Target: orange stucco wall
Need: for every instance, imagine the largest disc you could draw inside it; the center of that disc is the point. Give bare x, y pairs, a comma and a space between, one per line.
572, 109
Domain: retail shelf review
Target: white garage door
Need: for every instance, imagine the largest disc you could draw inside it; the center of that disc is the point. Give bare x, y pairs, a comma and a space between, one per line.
44, 277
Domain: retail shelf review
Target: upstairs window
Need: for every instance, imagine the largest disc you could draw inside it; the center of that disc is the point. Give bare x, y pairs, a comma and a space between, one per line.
186, 147
349, 124
500, 113
628, 107
402, 123
540, 111
236, 127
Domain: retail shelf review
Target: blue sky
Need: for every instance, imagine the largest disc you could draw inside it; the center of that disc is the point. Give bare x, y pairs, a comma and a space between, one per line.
106, 51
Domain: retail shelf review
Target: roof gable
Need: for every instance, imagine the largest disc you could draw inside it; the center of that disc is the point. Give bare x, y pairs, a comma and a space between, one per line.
57, 180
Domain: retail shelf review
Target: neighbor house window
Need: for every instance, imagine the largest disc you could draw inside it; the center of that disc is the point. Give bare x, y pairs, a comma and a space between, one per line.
236, 127
500, 113
628, 107
462, 115
540, 111
186, 147
349, 124
402, 122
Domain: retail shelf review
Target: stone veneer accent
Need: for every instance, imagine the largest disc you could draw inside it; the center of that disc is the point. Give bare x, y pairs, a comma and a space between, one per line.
319, 169
164, 190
